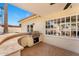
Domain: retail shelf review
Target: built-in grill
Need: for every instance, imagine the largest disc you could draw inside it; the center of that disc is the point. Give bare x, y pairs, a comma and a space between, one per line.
35, 36
35, 40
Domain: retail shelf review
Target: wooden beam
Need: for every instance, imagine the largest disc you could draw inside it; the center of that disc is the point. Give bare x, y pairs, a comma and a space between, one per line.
6, 18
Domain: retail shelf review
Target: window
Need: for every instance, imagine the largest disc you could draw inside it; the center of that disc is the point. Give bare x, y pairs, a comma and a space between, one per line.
67, 33
78, 17
73, 18
78, 26
73, 27
51, 26
66, 26
73, 33
58, 21
29, 28
67, 19
78, 29
46, 32
62, 20
54, 32
55, 21
62, 26
62, 33
51, 31
78, 33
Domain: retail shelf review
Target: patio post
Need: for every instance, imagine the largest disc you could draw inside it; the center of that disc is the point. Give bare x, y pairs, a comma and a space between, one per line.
6, 18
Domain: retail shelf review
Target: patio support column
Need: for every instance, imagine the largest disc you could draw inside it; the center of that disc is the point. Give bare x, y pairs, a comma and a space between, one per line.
6, 18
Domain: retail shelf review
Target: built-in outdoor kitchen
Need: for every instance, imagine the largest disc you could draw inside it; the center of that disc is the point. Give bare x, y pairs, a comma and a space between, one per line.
31, 39
12, 44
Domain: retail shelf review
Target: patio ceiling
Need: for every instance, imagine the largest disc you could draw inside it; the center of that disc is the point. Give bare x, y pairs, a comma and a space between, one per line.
41, 9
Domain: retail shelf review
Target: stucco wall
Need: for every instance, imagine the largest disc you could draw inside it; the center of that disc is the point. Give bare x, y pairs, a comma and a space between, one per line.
14, 29
11, 30
37, 24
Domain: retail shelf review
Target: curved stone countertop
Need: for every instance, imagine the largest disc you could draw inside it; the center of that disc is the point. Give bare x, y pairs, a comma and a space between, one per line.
9, 46
8, 36
3, 36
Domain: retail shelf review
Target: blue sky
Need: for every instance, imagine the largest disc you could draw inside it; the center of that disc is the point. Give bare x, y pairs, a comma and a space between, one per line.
15, 14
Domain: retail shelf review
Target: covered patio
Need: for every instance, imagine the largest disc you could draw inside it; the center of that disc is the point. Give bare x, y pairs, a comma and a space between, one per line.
52, 28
